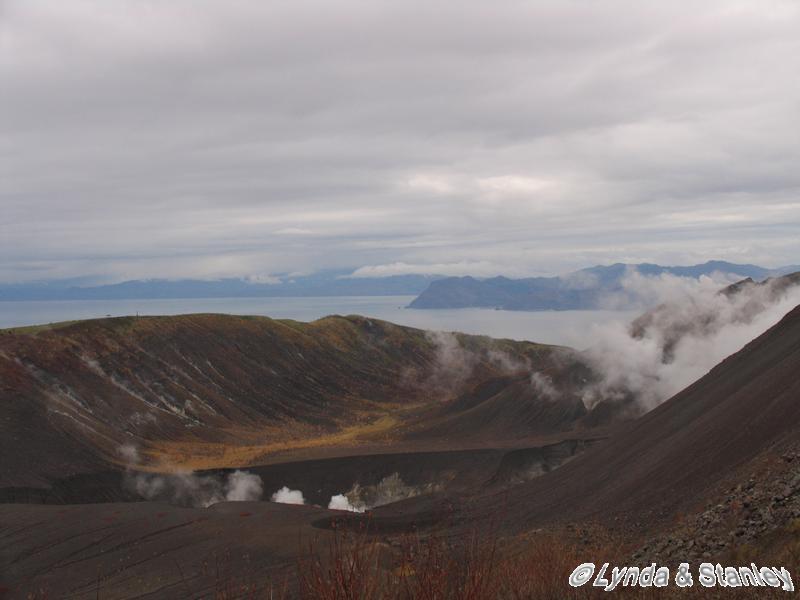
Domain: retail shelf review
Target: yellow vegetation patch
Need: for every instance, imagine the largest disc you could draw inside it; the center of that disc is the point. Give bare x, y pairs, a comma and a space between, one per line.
182, 455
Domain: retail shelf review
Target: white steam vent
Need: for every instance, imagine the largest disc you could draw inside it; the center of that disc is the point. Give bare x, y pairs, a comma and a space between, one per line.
341, 502
287, 496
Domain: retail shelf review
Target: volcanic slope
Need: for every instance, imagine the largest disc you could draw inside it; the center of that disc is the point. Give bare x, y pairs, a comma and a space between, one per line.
671, 459
668, 460
675, 457
213, 391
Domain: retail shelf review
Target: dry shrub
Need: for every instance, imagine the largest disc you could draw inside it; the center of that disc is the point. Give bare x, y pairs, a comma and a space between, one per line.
356, 565
349, 570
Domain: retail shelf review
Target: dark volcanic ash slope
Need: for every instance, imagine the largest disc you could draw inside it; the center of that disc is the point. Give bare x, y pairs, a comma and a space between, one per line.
509, 407
72, 395
669, 458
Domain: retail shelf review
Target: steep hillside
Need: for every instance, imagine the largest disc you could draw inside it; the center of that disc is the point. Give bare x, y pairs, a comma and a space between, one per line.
672, 457
509, 407
215, 391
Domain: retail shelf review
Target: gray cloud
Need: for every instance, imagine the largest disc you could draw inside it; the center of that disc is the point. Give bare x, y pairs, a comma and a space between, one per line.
203, 139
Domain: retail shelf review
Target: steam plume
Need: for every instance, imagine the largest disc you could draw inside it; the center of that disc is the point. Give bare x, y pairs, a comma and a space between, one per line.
455, 364
187, 488
389, 489
287, 496
341, 502
694, 328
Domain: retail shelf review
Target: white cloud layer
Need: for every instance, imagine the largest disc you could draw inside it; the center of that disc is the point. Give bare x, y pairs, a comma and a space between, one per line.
480, 268
198, 138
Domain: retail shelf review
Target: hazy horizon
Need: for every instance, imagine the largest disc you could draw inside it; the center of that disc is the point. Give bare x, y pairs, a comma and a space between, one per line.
351, 272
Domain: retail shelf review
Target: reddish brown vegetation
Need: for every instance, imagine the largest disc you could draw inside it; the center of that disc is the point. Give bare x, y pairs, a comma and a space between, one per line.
477, 566
481, 566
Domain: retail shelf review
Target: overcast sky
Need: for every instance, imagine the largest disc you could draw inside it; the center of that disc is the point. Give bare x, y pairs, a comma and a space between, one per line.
203, 139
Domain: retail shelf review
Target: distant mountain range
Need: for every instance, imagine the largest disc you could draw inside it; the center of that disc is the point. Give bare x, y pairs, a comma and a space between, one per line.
581, 289
324, 283
585, 289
